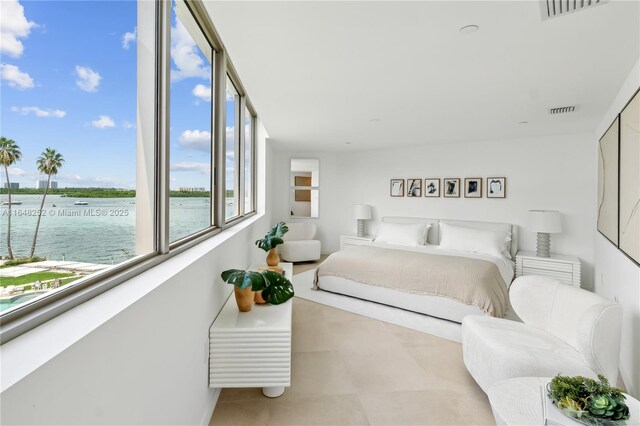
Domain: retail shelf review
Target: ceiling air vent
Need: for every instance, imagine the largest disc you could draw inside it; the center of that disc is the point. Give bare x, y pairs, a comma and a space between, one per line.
562, 110
554, 8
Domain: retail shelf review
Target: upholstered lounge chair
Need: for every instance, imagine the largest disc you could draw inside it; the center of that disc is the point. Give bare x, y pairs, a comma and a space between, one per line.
299, 244
565, 330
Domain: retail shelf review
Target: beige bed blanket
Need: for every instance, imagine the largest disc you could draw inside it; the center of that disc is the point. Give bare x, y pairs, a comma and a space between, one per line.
470, 281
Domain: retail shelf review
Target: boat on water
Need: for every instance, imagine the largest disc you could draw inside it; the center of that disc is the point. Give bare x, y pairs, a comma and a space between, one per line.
81, 203
13, 203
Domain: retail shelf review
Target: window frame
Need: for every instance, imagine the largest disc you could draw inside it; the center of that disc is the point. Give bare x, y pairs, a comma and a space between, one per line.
30, 315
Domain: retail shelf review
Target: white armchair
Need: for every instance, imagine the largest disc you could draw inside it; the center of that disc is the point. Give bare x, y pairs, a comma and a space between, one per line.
299, 244
565, 330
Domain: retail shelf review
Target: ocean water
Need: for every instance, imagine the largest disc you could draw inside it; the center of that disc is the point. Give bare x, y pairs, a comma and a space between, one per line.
103, 231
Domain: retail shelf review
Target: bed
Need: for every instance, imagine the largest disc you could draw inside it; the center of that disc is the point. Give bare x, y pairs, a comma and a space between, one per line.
429, 279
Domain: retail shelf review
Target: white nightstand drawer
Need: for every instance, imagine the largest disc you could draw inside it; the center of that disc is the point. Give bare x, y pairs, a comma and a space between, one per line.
563, 277
350, 241
545, 264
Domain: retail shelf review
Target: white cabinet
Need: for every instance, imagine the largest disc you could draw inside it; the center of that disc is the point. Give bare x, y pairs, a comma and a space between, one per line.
348, 241
252, 349
565, 269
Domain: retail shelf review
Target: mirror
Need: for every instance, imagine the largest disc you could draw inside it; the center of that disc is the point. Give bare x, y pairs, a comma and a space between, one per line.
304, 181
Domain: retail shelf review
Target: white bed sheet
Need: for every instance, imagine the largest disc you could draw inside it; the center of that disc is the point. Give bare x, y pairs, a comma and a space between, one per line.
436, 306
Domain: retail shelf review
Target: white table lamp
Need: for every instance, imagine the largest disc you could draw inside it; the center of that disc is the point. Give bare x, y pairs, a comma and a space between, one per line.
544, 222
361, 212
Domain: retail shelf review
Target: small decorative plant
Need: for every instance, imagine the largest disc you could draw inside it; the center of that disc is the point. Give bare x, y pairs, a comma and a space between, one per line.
273, 287
273, 238
589, 401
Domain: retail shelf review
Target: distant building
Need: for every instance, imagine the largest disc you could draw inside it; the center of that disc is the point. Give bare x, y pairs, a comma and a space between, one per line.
192, 189
42, 184
14, 185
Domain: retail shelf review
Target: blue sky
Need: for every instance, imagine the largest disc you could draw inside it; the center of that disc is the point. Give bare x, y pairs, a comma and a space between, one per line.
69, 83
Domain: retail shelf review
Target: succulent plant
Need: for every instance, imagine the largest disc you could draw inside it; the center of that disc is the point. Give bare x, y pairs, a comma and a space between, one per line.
588, 398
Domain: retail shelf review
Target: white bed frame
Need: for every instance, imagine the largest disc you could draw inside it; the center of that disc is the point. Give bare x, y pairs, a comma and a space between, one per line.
436, 306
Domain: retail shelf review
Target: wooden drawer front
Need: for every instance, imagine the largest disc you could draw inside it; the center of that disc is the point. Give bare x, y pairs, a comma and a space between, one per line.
563, 277
547, 265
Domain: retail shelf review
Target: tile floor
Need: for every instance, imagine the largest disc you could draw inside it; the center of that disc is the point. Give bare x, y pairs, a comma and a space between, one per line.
352, 370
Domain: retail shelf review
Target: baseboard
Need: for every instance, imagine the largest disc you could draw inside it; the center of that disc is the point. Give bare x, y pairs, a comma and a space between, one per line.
628, 383
208, 412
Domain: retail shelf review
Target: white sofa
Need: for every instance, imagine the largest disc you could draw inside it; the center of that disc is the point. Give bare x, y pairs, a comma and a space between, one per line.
299, 244
565, 330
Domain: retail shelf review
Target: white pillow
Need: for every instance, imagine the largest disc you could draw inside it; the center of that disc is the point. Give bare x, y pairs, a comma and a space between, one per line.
407, 234
474, 240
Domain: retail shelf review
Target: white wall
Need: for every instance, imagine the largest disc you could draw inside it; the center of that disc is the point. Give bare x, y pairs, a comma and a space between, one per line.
145, 364
616, 276
542, 173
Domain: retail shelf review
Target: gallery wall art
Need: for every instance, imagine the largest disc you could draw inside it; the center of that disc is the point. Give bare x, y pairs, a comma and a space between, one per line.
472, 187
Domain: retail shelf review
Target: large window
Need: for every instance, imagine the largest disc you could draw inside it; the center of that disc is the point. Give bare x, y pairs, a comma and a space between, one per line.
69, 123
108, 112
191, 130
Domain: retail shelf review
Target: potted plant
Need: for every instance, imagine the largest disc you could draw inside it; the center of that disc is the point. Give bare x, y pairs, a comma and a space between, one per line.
271, 240
273, 287
588, 401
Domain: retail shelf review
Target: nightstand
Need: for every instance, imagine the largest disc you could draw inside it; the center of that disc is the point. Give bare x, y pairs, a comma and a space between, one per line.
565, 269
348, 241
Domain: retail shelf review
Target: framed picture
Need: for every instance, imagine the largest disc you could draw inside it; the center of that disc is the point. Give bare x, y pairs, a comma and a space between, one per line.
414, 187
397, 187
432, 187
473, 187
496, 187
629, 178
451, 187
608, 154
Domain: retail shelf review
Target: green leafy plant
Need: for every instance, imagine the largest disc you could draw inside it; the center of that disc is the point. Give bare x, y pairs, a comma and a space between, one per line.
275, 288
592, 401
273, 238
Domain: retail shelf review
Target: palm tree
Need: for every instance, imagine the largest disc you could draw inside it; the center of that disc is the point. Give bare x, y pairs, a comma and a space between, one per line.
49, 163
9, 154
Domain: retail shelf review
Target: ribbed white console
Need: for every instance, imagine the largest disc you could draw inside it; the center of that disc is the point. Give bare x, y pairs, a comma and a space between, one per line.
251, 349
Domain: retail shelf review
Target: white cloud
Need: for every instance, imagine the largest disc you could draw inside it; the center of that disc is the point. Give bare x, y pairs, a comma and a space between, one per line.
88, 80
191, 166
203, 92
15, 77
75, 180
103, 122
17, 172
57, 113
186, 55
13, 26
128, 38
199, 140
128, 125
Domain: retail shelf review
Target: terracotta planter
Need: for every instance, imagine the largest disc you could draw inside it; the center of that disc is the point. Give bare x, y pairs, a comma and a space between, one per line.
258, 298
244, 298
272, 257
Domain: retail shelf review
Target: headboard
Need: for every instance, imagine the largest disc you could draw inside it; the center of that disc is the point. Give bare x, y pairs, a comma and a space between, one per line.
434, 233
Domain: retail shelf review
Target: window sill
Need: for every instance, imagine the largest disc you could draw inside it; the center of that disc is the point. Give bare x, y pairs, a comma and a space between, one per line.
29, 351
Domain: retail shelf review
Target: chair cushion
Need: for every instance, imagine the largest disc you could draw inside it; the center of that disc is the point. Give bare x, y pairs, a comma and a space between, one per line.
496, 349
300, 251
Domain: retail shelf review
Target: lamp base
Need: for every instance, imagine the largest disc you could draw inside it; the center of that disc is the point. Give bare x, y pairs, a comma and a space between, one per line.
361, 230
543, 244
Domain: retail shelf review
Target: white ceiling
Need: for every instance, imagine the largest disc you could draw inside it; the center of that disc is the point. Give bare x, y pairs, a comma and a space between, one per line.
321, 73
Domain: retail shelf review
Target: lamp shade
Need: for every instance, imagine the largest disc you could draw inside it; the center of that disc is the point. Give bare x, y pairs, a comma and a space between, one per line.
547, 221
361, 211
